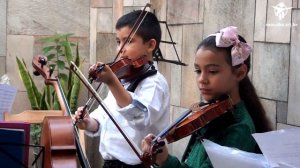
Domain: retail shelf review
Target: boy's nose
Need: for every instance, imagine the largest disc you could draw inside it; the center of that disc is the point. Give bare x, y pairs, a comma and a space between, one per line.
122, 52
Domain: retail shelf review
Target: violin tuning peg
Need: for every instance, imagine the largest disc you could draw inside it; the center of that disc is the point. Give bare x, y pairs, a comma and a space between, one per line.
51, 70
36, 73
42, 60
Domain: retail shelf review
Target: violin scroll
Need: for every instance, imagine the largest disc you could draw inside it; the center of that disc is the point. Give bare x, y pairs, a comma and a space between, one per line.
43, 61
38, 63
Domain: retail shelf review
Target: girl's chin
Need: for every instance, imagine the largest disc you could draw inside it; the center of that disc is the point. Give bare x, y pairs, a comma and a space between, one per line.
208, 98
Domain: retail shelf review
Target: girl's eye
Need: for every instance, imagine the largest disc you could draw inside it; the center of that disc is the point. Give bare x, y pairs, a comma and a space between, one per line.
198, 71
213, 71
118, 42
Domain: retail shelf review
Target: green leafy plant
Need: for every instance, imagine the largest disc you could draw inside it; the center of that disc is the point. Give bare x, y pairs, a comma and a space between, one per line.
59, 52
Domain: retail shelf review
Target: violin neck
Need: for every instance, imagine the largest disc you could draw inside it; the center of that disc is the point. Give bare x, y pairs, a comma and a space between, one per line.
173, 125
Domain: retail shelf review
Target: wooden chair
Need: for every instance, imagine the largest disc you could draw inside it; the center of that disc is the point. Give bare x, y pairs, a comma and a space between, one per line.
32, 116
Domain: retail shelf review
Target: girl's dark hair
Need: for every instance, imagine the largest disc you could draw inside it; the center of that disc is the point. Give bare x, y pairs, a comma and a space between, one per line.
150, 27
246, 88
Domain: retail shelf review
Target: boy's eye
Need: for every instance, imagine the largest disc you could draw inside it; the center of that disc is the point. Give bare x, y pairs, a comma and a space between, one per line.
130, 41
118, 42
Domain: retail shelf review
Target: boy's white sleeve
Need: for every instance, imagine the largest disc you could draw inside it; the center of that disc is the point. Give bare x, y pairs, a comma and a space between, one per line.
150, 103
95, 115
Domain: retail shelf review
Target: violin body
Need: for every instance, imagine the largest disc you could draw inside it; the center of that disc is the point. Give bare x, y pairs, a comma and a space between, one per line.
58, 140
198, 119
124, 68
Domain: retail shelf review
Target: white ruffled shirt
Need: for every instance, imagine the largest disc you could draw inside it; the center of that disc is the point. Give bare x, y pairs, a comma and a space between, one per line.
149, 112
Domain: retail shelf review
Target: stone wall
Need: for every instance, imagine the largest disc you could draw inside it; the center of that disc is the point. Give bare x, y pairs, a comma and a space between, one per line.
274, 36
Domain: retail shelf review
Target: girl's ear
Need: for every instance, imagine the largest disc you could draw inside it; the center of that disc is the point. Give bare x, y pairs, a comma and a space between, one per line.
241, 72
151, 45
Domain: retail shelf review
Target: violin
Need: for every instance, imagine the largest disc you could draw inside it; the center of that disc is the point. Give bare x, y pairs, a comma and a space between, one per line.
198, 116
124, 68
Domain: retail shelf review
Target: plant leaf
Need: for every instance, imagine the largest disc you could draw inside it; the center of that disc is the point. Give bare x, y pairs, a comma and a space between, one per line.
47, 49
74, 93
28, 83
51, 39
56, 105
60, 64
77, 57
50, 57
37, 94
63, 78
68, 51
43, 103
48, 96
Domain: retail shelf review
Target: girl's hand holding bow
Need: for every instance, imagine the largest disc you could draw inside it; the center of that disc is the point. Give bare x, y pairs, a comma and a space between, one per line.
158, 152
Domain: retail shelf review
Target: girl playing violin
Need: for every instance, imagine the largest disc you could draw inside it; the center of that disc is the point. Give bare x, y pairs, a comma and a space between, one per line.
139, 103
222, 62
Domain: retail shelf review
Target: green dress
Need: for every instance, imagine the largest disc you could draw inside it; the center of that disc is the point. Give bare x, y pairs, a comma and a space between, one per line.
236, 134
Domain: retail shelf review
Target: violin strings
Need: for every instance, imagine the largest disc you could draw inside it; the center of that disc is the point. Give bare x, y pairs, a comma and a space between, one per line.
88, 105
94, 100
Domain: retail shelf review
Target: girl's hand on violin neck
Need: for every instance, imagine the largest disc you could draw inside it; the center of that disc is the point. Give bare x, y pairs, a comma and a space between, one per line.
162, 156
104, 75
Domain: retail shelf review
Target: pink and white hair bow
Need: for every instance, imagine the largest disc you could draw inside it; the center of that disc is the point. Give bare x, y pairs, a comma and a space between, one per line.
240, 50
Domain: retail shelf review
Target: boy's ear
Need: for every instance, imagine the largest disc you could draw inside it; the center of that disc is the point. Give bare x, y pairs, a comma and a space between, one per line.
151, 45
241, 72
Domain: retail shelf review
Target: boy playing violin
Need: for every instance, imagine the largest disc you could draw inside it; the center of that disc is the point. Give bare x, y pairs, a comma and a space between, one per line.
140, 103
222, 62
